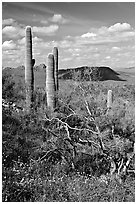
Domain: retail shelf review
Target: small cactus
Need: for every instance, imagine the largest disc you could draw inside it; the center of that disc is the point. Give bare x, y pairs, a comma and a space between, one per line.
50, 83
109, 99
55, 53
29, 75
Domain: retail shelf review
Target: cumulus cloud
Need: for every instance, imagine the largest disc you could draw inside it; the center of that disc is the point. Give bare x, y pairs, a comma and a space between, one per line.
12, 29
99, 43
116, 33
116, 48
119, 27
9, 29
88, 35
93, 46
50, 30
13, 32
7, 22
58, 18
8, 45
116, 29
18, 31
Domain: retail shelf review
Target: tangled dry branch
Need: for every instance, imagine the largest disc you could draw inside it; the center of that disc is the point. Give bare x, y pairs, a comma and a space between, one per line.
62, 124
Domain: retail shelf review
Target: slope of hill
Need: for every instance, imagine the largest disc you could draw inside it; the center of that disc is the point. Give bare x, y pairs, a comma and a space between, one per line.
127, 73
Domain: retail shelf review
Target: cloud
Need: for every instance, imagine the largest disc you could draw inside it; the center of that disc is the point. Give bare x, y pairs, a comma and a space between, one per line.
8, 45
21, 41
115, 49
13, 32
114, 29
107, 57
96, 55
65, 44
18, 30
8, 29
50, 30
7, 22
66, 59
88, 35
58, 18
91, 47
44, 21
34, 40
119, 27
116, 33
12, 29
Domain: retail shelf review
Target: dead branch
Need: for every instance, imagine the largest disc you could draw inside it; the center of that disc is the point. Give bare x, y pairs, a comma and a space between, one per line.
67, 106
128, 163
89, 112
87, 106
72, 128
66, 126
120, 166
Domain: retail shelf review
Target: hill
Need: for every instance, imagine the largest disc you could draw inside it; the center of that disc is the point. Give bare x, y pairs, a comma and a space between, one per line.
90, 73
80, 73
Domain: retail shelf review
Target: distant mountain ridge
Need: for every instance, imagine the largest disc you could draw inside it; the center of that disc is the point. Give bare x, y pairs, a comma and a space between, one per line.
89, 73
80, 73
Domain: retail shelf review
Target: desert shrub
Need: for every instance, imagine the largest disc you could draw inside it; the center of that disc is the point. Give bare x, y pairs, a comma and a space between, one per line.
39, 97
38, 156
11, 90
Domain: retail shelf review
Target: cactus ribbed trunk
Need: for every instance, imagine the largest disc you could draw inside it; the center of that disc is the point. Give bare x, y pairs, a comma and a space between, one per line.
109, 99
50, 83
55, 53
29, 75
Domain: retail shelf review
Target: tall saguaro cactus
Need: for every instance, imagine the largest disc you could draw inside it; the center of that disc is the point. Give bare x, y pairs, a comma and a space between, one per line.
109, 99
50, 83
29, 75
55, 53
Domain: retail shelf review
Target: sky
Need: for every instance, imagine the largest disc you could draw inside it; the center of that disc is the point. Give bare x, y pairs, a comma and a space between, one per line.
86, 33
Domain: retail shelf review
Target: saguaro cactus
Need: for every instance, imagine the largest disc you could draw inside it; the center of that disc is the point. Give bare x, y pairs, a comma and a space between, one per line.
29, 75
55, 53
50, 83
109, 99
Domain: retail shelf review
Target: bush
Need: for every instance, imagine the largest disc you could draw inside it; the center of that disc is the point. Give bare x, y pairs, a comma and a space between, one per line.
11, 90
38, 150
